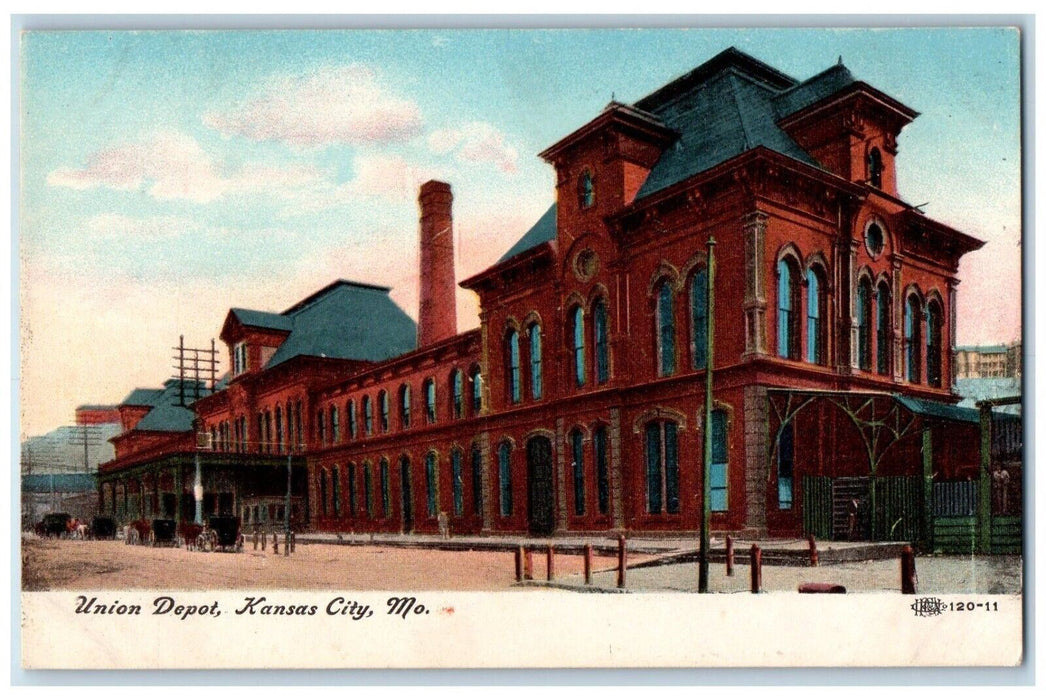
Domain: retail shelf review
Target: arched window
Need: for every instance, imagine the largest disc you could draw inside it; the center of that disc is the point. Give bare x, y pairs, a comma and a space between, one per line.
458, 483
386, 501
586, 191
429, 389
599, 448
368, 500
875, 168
405, 406
505, 477
279, 428
476, 380
335, 426
699, 319
785, 467
321, 429
883, 328
534, 337
577, 336
864, 324
718, 478
368, 416
933, 344
815, 316
383, 408
512, 366
457, 394
662, 467
350, 412
477, 480
788, 309
336, 490
912, 341
601, 340
431, 486
577, 453
298, 430
666, 330
350, 477
323, 492
268, 431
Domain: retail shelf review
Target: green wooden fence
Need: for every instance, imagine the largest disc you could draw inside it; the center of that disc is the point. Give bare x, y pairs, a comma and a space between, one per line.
817, 506
899, 502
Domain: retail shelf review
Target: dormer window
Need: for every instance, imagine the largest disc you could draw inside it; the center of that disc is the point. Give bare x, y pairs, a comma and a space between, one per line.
586, 190
239, 358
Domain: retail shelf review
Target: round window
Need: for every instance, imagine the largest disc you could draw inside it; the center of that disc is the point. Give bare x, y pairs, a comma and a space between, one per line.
586, 264
873, 239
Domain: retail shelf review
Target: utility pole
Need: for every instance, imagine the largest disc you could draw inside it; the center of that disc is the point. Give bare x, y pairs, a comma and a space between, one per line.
702, 577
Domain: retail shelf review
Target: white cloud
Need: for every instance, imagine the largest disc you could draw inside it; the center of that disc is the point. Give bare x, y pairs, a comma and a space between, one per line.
119, 226
338, 104
172, 165
475, 142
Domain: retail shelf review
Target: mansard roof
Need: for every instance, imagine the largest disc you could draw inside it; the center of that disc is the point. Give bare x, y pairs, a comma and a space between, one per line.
728, 105
344, 320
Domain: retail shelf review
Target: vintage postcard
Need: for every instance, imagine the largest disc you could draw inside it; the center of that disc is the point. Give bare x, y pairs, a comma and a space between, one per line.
478, 348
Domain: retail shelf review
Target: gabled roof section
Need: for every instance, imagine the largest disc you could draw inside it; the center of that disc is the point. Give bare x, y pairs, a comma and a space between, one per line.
541, 232
809, 92
350, 321
262, 319
168, 415
142, 397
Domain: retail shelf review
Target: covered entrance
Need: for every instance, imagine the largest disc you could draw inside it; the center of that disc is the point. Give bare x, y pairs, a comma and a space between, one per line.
541, 519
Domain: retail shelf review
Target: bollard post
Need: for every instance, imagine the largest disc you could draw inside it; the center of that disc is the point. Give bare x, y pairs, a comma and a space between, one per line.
756, 561
813, 550
294, 541
621, 561
275, 543
729, 555
528, 564
550, 564
908, 577
255, 538
519, 563
588, 564
286, 544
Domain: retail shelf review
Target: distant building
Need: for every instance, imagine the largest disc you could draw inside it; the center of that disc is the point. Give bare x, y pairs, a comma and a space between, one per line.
59, 468
988, 361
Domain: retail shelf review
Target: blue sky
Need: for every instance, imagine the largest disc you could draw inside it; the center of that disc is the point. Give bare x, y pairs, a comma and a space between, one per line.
167, 176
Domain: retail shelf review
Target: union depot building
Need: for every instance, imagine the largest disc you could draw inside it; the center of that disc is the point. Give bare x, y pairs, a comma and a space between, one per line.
577, 405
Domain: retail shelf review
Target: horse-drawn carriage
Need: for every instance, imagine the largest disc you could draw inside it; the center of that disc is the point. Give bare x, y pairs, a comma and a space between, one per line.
103, 527
163, 533
137, 532
222, 533
55, 525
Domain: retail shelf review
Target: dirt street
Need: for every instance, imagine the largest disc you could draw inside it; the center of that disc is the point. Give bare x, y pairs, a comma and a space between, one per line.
72, 564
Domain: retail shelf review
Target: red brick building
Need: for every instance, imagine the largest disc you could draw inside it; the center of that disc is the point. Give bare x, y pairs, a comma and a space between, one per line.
578, 403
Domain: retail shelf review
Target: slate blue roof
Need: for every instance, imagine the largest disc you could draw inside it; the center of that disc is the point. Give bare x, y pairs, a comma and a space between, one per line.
938, 409
142, 397
167, 414
347, 320
544, 230
724, 107
262, 319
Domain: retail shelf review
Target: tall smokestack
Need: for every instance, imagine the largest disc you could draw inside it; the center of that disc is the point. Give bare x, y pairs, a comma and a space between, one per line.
437, 317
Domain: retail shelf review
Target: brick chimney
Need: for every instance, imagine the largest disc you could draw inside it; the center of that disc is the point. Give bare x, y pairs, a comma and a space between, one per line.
437, 316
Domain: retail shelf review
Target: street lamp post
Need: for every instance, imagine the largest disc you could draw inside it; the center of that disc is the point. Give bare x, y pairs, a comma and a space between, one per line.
702, 576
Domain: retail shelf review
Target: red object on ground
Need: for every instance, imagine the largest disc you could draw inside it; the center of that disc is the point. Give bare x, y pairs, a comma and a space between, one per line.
821, 588
908, 577
756, 561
